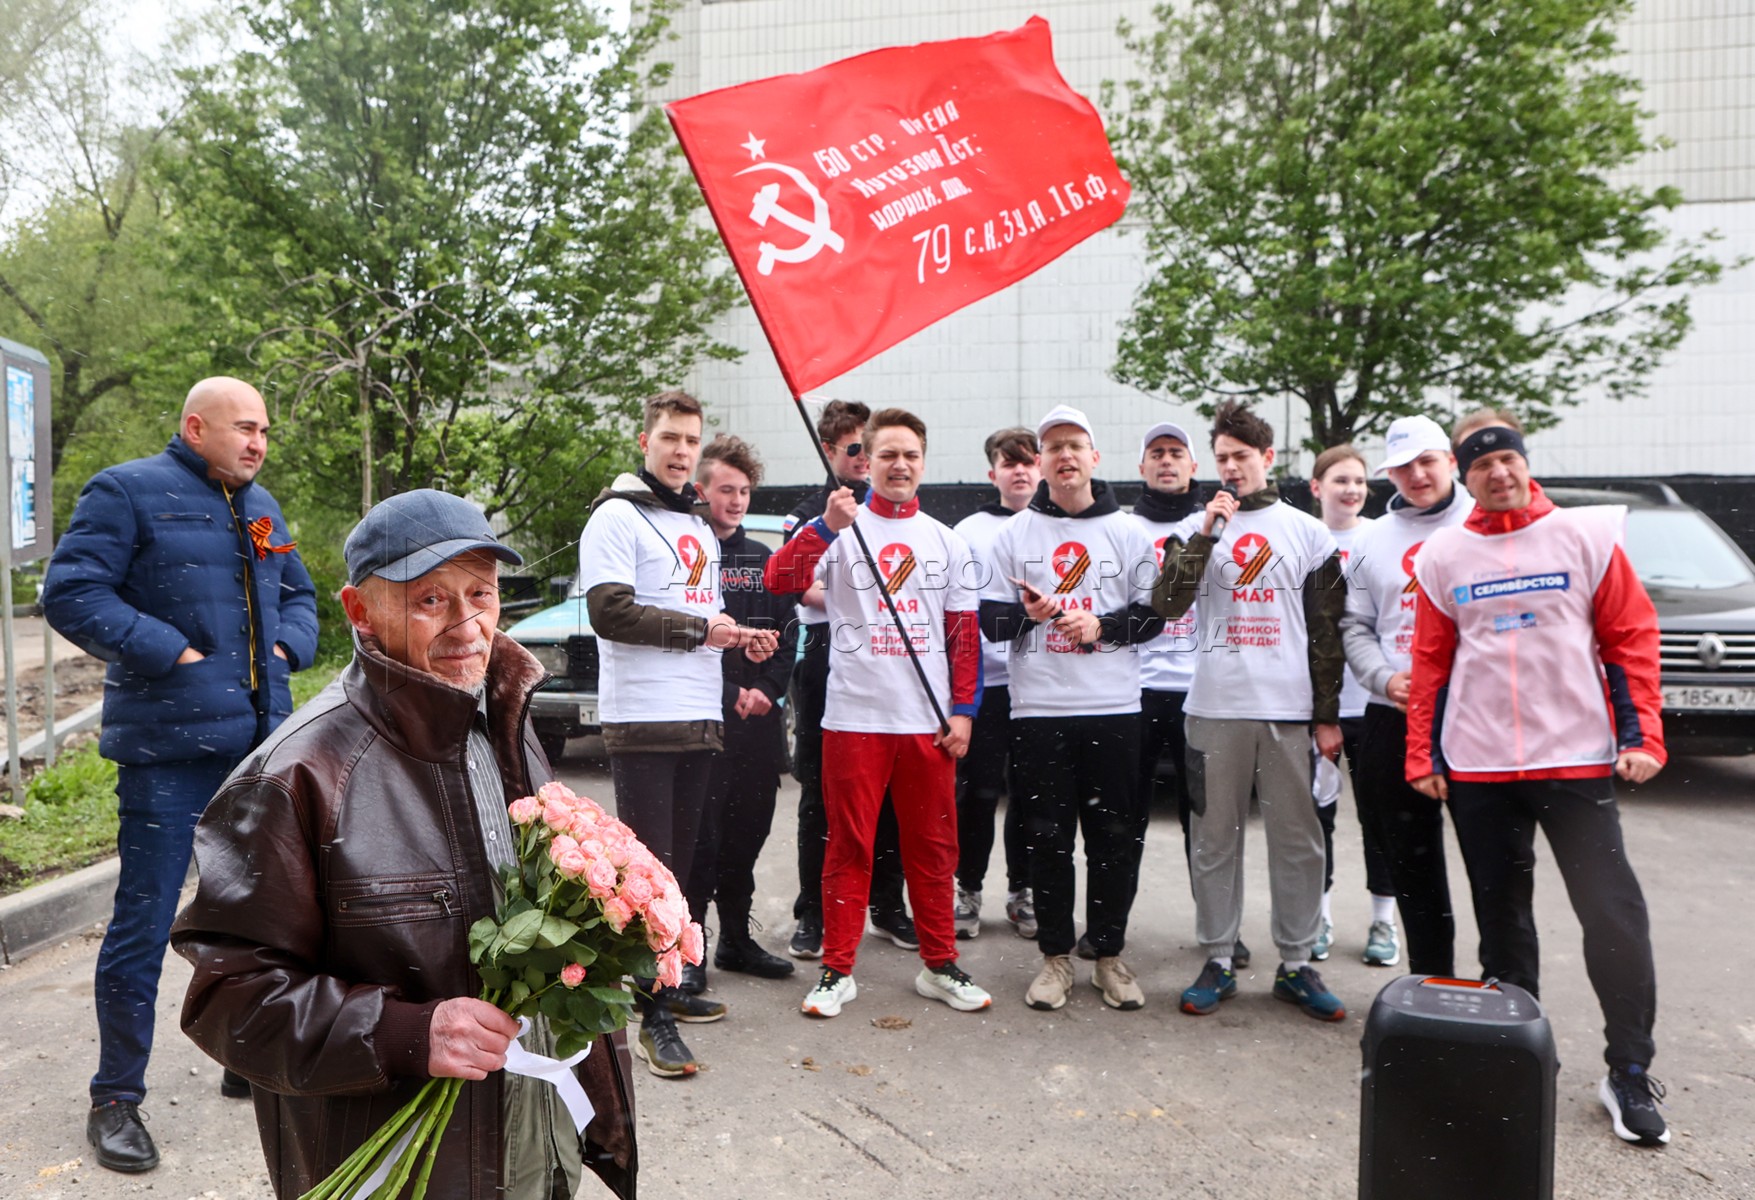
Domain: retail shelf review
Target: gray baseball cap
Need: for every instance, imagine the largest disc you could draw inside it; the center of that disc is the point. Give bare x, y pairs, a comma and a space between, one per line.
408, 535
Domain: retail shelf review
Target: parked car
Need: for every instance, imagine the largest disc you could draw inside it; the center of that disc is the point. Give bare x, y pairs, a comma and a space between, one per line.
1703, 587
561, 639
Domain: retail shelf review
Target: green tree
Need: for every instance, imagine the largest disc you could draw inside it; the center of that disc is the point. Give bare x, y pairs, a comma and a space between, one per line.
449, 238
80, 272
1373, 205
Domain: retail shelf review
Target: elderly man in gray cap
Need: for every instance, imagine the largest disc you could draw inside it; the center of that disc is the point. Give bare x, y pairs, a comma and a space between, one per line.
343, 863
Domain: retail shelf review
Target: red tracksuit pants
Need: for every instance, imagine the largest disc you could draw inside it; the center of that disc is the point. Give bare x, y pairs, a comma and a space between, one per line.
922, 781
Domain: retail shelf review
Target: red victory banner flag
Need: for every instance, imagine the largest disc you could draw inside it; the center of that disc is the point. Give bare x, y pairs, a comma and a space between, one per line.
869, 198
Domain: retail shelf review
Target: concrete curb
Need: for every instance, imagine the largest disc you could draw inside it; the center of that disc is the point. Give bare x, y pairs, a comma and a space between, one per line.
51, 912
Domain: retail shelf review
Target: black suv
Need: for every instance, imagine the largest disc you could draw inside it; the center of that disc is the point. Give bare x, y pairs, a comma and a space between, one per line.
1703, 586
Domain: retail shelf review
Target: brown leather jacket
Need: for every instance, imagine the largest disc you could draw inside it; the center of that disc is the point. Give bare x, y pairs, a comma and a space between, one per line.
341, 868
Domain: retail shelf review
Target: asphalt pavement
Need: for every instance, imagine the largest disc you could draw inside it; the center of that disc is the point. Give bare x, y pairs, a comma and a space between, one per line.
901, 1096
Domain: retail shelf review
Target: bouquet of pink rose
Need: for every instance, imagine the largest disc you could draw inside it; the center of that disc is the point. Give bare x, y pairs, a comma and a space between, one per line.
586, 906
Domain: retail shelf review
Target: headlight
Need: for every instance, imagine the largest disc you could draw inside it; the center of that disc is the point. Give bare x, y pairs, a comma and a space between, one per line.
553, 658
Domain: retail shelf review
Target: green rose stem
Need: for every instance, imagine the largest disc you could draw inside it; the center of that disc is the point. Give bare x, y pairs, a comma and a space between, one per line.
360, 1163
428, 1134
432, 1156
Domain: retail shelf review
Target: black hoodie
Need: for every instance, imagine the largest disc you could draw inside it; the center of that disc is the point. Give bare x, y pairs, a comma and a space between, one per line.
1006, 620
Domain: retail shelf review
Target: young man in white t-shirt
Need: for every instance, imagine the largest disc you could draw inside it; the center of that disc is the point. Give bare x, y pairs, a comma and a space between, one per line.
1071, 593
880, 730
1378, 631
1339, 487
984, 773
1267, 686
649, 572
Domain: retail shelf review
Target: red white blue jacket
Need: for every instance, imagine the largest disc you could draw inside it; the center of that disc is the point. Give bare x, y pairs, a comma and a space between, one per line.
1535, 648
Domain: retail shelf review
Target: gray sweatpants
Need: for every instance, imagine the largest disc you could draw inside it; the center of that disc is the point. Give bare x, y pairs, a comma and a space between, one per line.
1227, 760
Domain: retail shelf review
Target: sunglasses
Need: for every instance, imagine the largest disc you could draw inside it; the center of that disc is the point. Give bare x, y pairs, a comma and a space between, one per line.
853, 449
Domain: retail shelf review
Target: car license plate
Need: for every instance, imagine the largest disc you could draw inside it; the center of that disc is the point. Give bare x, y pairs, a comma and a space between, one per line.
1723, 699
588, 714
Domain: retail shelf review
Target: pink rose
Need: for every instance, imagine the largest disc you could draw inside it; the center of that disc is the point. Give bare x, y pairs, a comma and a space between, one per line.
556, 791
600, 878
556, 814
572, 864
637, 890
670, 965
525, 810
618, 913
692, 945
583, 825
591, 808
620, 852
665, 918
572, 975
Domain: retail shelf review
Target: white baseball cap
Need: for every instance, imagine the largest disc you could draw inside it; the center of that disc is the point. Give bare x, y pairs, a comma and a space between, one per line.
1164, 429
1065, 414
1408, 439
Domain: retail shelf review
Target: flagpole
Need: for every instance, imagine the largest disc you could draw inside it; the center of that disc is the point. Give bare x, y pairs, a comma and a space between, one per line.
944, 726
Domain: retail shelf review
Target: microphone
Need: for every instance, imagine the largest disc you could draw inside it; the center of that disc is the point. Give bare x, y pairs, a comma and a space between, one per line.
1230, 489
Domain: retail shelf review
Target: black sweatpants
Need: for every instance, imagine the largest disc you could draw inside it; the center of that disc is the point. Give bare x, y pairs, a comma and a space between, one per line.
810, 692
1377, 877
982, 778
1496, 824
1077, 774
1161, 733
660, 796
1410, 828
734, 827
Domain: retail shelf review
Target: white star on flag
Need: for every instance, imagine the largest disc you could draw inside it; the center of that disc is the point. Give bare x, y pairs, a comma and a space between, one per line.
754, 146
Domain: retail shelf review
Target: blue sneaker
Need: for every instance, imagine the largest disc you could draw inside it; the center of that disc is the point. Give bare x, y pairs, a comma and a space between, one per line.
1304, 987
1203, 995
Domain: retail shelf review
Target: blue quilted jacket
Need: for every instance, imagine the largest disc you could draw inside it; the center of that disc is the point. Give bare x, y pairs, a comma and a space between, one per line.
157, 559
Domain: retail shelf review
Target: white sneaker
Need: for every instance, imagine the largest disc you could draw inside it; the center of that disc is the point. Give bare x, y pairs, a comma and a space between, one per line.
832, 991
950, 984
1020, 910
968, 913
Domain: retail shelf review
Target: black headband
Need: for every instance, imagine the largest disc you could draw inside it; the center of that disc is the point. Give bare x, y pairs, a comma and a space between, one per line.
1486, 440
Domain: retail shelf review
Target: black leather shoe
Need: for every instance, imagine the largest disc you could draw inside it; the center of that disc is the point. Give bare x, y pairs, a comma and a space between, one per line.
1084, 949
694, 978
696, 1010
234, 1086
745, 954
116, 1131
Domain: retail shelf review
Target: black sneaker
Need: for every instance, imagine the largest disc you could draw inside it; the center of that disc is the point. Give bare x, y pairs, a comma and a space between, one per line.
696, 1010
119, 1136
1240, 956
234, 1086
896, 925
1632, 1098
807, 939
694, 978
661, 1046
1084, 949
745, 955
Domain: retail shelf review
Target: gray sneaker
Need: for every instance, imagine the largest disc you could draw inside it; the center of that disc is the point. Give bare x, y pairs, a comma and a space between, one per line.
1383, 945
1020, 910
1325, 942
968, 913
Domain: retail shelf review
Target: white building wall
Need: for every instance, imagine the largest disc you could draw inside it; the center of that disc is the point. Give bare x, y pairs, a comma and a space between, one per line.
1051, 339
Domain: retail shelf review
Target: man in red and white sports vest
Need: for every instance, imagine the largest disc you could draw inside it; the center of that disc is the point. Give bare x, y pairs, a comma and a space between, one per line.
880, 729
1535, 682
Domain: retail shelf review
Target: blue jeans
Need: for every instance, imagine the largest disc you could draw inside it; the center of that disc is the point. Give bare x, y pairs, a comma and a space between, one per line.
159, 807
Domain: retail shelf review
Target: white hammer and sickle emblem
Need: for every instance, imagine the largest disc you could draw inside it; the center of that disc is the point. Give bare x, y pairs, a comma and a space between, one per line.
816, 229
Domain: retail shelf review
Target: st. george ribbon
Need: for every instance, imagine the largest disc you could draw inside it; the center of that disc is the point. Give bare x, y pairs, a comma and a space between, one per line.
867, 199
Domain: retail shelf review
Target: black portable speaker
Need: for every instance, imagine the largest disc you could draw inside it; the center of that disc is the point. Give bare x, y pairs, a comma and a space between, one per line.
1457, 1095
